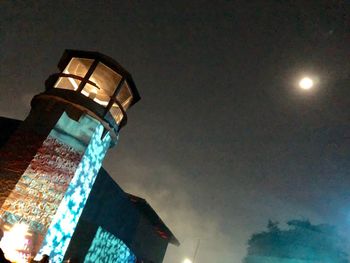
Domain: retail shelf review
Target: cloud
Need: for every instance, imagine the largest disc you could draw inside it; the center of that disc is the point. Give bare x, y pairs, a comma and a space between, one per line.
164, 188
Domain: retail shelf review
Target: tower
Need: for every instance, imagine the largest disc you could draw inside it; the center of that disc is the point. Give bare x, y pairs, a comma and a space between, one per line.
48, 166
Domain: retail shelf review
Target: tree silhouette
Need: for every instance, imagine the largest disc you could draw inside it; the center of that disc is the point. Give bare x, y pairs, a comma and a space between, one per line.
301, 242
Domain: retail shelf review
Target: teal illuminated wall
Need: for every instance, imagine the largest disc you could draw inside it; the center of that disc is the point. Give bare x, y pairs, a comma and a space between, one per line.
63, 224
106, 248
50, 195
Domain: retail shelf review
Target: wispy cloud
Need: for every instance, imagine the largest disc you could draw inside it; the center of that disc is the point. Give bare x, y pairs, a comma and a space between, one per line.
164, 190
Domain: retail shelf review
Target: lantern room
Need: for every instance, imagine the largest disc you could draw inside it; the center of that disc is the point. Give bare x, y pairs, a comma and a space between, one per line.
96, 82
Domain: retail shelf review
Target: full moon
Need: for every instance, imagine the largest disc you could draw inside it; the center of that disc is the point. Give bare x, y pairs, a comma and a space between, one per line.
306, 83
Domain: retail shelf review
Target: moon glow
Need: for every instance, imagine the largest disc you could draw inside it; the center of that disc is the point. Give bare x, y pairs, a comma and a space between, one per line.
306, 83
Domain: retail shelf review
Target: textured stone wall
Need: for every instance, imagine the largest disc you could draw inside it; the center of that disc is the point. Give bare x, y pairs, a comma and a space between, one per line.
39, 191
22, 145
67, 215
47, 169
15, 157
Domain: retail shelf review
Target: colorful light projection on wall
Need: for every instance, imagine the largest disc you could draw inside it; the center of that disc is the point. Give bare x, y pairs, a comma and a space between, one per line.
42, 186
106, 248
50, 195
64, 223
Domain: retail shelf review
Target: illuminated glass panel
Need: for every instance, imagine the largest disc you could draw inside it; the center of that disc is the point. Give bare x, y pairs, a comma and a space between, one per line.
124, 96
106, 248
106, 80
78, 67
116, 113
66, 218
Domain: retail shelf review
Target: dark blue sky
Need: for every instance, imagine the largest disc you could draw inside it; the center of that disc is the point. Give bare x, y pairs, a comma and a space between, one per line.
222, 140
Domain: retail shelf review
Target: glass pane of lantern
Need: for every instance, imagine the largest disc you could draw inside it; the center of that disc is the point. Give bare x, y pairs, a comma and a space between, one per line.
67, 83
91, 91
78, 67
106, 80
124, 96
116, 113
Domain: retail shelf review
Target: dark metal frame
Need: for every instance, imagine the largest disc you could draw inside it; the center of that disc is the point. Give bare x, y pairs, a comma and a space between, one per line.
97, 58
108, 61
78, 78
87, 76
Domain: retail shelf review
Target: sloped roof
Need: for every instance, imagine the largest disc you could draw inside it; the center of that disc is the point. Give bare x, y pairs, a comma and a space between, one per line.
163, 231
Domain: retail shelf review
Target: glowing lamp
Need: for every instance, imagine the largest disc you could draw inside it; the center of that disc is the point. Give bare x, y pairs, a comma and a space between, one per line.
98, 78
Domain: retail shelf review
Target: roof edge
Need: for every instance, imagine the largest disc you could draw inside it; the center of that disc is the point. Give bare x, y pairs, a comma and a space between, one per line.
156, 221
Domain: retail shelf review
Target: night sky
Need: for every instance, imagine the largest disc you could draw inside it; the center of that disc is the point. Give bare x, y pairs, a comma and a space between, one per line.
222, 139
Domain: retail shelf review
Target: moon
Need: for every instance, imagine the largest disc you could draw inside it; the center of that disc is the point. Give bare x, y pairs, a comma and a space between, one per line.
306, 83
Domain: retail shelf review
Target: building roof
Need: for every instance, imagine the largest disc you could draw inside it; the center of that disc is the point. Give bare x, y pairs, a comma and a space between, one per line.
7, 127
162, 230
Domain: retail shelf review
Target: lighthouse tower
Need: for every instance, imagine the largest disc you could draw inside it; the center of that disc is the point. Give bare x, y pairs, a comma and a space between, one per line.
49, 165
